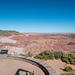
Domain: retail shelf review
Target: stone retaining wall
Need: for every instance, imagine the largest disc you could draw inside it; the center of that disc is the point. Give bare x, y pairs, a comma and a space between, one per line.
48, 70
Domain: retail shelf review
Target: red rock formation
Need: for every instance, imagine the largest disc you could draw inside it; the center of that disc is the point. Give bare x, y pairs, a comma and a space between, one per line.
36, 44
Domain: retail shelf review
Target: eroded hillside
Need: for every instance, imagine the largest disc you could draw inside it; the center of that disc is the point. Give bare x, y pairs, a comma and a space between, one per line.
35, 44
8, 33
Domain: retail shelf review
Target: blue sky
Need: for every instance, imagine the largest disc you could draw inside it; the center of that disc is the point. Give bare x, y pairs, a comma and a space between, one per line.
38, 15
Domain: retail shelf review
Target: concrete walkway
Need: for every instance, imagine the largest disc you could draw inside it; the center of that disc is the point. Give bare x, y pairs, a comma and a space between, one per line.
10, 66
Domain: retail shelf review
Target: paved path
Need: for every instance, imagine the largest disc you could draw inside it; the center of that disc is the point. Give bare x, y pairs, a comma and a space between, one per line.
10, 66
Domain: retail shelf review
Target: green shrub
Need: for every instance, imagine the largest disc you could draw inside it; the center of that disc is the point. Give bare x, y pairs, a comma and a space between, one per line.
58, 55
51, 56
68, 69
70, 59
66, 60
23, 54
29, 54
68, 73
72, 55
52, 51
45, 53
65, 55
72, 62
38, 57
45, 57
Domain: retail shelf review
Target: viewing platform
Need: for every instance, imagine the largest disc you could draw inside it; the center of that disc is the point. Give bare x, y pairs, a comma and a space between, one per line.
9, 65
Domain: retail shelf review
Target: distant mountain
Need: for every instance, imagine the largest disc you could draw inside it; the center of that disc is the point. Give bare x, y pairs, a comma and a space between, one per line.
55, 35
8, 33
61, 35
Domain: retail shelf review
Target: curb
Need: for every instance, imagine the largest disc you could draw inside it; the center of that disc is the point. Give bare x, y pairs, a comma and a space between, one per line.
48, 70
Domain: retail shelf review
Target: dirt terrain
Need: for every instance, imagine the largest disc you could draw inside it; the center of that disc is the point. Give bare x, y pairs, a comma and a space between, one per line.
35, 43
58, 66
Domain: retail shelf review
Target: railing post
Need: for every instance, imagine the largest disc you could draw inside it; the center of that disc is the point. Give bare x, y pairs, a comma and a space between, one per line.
18, 74
26, 73
30, 74
33, 73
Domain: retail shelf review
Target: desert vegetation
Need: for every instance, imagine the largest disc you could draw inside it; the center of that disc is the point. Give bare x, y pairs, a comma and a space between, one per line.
58, 48
64, 60
59, 58
68, 68
71, 73
8, 33
29, 54
67, 57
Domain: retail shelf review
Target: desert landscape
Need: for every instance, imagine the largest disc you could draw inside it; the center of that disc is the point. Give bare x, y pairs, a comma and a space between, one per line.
37, 37
37, 42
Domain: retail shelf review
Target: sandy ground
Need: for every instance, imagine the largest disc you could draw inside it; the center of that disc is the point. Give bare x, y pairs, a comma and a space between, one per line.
58, 65
10, 66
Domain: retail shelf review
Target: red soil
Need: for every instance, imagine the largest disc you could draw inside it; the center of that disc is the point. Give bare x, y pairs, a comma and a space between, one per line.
36, 44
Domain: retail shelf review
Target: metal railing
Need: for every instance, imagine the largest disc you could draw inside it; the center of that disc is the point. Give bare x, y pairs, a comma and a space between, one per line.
26, 72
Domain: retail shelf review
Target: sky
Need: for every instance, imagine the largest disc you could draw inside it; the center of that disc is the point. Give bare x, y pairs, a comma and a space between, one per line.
41, 16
